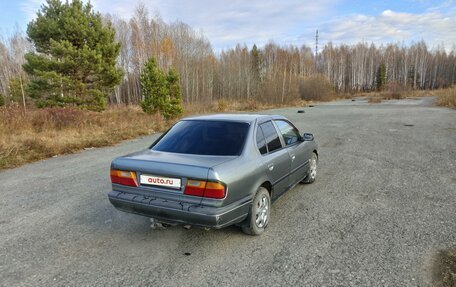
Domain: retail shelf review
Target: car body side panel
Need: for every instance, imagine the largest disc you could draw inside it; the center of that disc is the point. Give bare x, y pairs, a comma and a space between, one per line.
278, 166
299, 161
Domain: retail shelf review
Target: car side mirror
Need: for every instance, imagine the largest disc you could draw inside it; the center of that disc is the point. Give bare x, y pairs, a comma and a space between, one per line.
307, 137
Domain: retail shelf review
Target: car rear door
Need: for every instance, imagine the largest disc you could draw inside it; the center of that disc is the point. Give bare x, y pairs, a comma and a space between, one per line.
296, 149
274, 157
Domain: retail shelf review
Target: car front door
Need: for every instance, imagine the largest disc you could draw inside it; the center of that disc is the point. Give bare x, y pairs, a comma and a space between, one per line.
275, 157
296, 149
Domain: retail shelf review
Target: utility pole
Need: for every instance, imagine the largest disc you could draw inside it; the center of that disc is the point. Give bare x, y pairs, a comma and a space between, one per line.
316, 50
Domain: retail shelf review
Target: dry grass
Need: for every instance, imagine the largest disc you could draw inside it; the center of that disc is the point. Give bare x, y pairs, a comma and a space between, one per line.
446, 97
393, 91
43, 133
444, 269
375, 99
318, 88
226, 106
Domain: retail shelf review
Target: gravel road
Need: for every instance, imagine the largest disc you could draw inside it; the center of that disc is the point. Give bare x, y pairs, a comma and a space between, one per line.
384, 202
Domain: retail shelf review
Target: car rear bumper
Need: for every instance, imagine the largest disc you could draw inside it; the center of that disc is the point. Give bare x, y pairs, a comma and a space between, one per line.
179, 212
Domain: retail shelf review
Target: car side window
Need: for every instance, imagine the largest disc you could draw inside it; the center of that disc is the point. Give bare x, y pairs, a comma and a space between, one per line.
289, 133
261, 143
271, 136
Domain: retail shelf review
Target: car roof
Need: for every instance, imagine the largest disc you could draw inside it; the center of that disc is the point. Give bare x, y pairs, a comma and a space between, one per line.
247, 118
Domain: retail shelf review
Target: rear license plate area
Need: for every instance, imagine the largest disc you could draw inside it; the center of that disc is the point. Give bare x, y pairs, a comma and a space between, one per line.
154, 180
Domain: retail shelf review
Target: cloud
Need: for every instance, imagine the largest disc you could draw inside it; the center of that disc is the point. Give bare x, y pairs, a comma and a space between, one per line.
30, 7
257, 22
434, 27
449, 4
226, 23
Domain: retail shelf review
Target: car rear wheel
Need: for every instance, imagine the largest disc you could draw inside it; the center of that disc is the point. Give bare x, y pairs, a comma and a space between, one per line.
259, 213
312, 172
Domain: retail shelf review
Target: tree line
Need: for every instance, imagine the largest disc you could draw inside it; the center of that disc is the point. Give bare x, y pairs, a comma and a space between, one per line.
272, 73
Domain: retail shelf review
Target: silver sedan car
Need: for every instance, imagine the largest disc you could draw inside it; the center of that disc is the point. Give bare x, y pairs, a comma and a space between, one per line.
215, 171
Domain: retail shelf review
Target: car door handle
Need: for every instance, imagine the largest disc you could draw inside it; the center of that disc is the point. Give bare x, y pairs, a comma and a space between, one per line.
293, 157
271, 166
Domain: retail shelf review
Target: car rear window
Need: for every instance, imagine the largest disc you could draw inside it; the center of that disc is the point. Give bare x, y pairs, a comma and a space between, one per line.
204, 138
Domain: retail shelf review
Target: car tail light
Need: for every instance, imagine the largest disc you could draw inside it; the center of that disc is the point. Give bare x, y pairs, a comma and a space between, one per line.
195, 187
214, 190
205, 189
124, 177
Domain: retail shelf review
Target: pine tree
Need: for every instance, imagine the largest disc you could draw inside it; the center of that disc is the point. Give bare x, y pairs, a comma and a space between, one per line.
153, 87
255, 55
381, 76
15, 88
75, 58
174, 106
161, 91
255, 67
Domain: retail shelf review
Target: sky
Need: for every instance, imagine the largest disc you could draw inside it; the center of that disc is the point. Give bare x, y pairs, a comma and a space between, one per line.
228, 22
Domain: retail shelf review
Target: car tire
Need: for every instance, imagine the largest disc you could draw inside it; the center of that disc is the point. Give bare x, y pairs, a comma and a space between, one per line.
312, 171
259, 213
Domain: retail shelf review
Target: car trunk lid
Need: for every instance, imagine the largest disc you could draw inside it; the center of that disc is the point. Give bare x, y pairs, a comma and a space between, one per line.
165, 175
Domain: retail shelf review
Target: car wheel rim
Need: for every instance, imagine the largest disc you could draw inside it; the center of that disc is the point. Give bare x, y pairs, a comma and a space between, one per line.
313, 168
262, 214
